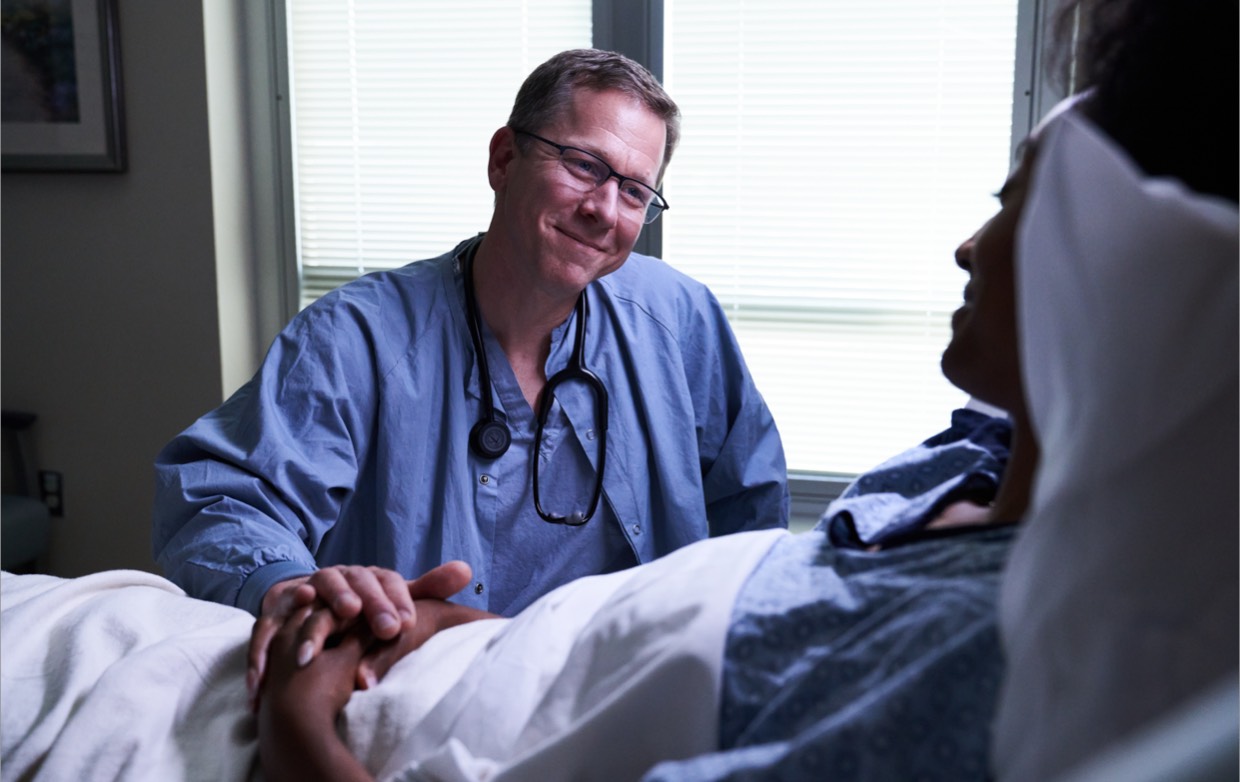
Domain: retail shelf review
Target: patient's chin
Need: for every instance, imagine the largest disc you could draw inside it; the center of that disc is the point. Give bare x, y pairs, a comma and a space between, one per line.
984, 363
953, 365
980, 379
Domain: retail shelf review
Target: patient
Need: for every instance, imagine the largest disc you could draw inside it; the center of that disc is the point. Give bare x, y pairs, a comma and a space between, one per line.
1118, 606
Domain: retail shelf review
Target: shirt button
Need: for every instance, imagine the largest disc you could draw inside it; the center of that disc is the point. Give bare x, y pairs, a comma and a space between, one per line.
484, 479
637, 529
589, 434
478, 588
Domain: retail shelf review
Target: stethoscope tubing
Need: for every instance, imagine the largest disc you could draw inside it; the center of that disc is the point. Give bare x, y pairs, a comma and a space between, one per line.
491, 437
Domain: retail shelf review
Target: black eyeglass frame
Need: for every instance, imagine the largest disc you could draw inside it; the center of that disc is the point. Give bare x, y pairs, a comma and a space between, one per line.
656, 207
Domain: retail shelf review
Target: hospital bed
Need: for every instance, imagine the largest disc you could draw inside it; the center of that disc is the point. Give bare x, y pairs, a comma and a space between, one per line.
115, 677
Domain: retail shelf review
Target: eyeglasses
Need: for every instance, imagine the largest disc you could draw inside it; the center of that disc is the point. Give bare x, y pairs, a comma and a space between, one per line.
592, 171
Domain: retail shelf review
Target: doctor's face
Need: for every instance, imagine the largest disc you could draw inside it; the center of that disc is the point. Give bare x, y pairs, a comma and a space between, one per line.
563, 234
983, 357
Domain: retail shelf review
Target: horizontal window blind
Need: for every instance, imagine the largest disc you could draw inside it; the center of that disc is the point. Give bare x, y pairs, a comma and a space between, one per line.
833, 157
393, 105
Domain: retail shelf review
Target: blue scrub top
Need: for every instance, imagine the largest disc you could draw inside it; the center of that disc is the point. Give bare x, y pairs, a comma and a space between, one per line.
350, 444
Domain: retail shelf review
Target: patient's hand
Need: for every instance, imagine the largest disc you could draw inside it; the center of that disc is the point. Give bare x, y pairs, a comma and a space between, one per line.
339, 598
301, 701
297, 737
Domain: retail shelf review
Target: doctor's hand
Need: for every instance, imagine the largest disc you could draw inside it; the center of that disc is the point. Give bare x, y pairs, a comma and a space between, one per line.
342, 597
433, 614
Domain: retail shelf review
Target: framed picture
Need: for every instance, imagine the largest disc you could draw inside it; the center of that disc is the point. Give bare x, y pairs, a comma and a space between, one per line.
60, 86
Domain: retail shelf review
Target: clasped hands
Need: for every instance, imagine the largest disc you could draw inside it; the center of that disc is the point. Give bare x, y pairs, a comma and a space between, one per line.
383, 616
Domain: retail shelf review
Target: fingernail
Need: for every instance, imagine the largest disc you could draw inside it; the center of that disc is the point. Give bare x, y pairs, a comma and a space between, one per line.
305, 653
368, 676
386, 623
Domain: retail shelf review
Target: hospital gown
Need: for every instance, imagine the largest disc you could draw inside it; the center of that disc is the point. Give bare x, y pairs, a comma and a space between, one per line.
846, 663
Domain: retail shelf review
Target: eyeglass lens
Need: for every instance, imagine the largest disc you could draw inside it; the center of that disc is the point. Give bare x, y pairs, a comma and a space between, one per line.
594, 172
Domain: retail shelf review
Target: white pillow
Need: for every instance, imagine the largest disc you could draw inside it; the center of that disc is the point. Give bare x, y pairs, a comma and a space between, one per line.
1120, 598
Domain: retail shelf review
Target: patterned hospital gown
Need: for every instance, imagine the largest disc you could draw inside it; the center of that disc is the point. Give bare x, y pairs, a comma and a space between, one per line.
844, 663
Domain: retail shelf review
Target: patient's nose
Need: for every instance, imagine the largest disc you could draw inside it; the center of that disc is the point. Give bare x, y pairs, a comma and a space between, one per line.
964, 253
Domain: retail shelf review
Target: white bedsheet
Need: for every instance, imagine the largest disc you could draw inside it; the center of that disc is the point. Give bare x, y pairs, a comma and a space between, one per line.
117, 675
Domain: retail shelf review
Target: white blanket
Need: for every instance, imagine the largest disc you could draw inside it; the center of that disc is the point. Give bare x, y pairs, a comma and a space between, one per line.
118, 675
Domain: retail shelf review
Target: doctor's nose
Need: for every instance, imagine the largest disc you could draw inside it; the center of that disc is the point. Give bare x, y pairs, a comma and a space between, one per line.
603, 201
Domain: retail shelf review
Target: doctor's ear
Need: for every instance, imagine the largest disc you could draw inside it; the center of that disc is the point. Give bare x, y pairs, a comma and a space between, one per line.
502, 152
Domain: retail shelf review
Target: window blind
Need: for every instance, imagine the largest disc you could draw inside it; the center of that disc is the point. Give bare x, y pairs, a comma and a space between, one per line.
833, 157
393, 106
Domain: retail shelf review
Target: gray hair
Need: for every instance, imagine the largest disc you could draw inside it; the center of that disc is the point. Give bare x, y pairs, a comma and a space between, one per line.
549, 89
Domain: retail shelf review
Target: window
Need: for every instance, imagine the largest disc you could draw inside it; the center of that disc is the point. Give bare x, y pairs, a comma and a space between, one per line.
834, 155
394, 104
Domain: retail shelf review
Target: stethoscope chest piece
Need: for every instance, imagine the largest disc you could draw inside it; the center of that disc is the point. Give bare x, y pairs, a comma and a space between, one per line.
490, 438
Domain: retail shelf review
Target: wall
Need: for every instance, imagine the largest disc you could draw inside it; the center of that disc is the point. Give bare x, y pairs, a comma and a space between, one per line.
109, 314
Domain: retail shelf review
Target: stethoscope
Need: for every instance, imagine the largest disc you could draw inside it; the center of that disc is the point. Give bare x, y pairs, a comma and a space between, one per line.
490, 437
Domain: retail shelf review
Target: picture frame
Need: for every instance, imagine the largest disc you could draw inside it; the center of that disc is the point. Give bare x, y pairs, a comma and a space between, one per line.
60, 86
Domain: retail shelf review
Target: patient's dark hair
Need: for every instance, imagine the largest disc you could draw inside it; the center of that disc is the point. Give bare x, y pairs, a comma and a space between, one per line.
1164, 73
547, 91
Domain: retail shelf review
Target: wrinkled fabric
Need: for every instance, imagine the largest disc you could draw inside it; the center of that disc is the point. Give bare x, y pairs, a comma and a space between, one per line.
598, 680
897, 498
845, 663
119, 675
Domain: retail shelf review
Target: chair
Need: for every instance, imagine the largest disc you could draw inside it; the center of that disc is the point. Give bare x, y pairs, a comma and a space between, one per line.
25, 521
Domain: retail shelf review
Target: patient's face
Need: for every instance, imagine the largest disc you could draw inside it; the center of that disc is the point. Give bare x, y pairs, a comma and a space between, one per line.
982, 357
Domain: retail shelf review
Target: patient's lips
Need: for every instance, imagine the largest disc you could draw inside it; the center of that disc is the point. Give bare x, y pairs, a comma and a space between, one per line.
962, 311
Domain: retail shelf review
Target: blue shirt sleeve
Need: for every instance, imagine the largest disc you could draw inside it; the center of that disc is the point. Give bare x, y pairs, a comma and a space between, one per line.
746, 480
248, 493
